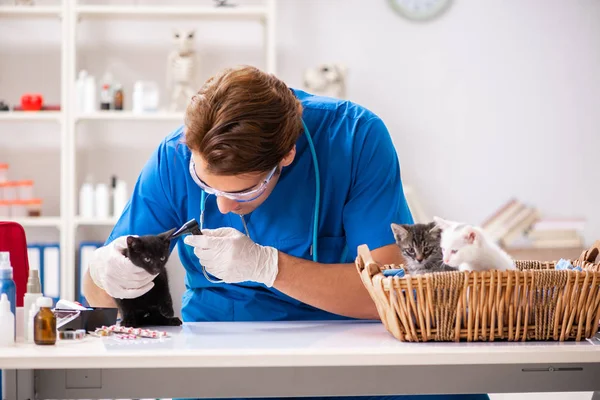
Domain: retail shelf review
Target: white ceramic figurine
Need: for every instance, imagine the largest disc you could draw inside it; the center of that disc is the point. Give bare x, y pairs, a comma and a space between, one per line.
182, 68
326, 80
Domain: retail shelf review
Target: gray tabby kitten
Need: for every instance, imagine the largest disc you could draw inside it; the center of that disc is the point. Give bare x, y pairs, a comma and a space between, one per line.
420, 245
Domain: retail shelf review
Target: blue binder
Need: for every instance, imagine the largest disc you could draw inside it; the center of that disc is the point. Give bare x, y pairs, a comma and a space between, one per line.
85, 251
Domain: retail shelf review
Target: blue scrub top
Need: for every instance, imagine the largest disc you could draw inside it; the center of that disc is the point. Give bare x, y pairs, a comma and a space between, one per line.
361, 195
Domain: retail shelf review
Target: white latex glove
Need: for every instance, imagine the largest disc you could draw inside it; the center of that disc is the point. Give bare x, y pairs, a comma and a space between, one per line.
233, 257
112, 271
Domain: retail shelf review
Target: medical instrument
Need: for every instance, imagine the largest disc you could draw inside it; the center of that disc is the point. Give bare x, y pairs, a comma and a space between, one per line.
7, 322
189, 227
34, 292
44, 324
315, 227
7, 284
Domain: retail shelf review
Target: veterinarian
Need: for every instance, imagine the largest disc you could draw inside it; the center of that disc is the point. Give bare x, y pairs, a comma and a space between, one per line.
286, 186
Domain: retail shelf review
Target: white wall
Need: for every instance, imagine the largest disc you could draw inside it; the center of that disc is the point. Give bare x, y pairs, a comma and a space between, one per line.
489, 82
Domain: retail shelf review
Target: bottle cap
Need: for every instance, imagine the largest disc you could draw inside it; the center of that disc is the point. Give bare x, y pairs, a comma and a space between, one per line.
6, 271
4, 304
5, 260
33, 283
44, 302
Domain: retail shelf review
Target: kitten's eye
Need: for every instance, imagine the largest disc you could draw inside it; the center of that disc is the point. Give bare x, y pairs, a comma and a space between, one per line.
453, 251
162, 258
147, 259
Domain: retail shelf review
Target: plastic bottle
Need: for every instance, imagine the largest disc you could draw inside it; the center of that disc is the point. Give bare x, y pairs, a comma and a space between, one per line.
138, 97
119, 197
44, 324
34, 292
7, 322
102, 200
106, 92
90, 95
80, 91
86, 198
33, 310
7, 284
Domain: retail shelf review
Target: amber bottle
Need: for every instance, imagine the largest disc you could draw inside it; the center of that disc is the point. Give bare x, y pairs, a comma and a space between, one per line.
44, 323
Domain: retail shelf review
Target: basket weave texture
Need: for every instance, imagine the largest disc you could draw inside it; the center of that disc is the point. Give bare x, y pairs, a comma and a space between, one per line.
533, 303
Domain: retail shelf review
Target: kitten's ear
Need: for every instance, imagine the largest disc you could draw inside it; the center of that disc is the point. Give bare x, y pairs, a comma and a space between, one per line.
400, 232
442, 223
433, 227
131, 241
470, 235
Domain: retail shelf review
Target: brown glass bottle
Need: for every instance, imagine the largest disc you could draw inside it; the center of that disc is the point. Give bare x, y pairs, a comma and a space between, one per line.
44, 323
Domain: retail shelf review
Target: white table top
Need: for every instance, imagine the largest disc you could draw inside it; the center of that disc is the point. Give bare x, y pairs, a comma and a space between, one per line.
280, 344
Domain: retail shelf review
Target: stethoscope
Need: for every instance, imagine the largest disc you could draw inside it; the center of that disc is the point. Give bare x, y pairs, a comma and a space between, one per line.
315, 227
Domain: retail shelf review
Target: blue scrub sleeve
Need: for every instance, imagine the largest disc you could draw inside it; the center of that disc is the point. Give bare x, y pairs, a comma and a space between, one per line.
150, 210
376, 197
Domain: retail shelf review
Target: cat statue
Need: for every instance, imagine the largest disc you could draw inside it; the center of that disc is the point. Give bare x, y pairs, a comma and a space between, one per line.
467, 248
420, 246
182, 68
326, 80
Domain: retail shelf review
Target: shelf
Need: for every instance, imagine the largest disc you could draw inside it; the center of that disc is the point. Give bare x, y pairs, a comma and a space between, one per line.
30, 11
30, 116
84, 221
146, 12
131, 116
38, 221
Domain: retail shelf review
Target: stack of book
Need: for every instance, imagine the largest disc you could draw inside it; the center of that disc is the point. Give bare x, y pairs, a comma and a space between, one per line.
557, 233
516, 224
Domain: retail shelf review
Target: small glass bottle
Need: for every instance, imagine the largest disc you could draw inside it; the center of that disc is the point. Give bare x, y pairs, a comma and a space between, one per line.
118, 101
44, 324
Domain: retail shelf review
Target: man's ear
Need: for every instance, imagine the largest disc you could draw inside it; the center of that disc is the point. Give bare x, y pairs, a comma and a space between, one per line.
289, 157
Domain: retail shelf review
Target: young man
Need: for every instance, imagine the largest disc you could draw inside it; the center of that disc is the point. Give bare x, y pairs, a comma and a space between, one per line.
288, 185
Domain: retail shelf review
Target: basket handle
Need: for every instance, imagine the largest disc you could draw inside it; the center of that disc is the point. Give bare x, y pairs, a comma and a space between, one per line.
592, 255
370, 265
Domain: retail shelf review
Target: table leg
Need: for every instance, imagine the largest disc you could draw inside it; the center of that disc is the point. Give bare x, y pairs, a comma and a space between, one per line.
18, 384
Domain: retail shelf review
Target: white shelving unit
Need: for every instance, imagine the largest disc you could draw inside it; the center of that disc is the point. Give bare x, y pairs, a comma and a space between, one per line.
130, 116
30, 11
26, 116
71, 15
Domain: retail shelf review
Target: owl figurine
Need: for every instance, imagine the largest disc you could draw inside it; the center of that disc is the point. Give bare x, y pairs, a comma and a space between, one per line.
182, 69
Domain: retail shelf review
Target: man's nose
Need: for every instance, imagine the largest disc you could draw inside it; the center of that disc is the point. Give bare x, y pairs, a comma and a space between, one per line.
226, 205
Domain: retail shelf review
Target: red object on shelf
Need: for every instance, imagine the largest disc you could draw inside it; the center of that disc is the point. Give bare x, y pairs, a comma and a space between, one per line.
32, 102
13, 240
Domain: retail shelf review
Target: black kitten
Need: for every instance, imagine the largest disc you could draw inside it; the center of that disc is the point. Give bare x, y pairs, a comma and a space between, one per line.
154, 308
420, 245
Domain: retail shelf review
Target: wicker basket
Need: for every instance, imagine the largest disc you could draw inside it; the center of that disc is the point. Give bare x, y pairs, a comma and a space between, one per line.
534, 302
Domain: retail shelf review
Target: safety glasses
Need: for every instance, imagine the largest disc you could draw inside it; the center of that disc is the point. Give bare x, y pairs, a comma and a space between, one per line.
240, 197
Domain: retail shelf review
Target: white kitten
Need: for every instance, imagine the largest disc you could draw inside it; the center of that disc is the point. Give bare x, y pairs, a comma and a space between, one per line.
468, 248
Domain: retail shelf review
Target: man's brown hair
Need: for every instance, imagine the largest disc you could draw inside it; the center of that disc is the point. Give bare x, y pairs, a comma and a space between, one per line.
243, 120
